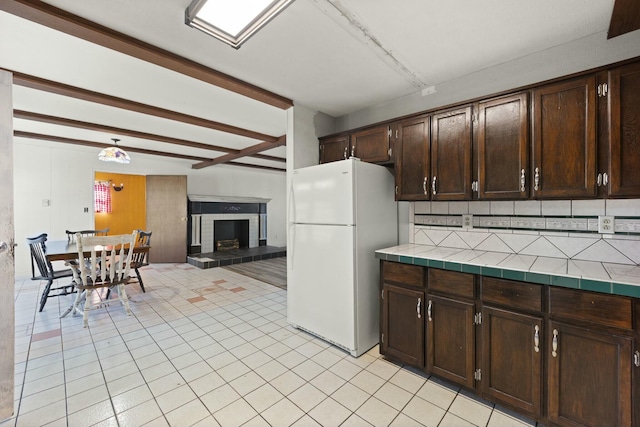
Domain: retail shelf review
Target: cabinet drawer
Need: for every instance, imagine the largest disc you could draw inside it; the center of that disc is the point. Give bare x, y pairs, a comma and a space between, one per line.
403, 274
516, 295
451, 283
606, 310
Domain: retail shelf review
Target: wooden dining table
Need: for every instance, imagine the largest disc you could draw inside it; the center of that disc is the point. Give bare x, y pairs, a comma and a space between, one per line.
62, 250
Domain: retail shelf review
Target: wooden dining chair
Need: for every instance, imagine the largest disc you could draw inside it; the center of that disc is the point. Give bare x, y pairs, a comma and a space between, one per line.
140, 259
107, 266
38, 249
71, 235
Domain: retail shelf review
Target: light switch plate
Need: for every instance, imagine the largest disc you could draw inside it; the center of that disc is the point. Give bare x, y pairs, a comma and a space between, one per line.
467, 221
606, 224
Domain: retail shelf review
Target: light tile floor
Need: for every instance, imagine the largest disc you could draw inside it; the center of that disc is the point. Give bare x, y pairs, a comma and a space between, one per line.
213, 348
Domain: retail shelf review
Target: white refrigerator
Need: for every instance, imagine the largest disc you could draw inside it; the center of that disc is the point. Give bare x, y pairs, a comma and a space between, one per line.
340, 213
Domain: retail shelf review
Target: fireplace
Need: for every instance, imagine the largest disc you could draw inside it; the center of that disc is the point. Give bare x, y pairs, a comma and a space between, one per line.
204, 211
230, 234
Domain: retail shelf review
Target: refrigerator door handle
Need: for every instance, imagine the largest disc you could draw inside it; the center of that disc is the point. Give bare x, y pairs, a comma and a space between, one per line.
292, 235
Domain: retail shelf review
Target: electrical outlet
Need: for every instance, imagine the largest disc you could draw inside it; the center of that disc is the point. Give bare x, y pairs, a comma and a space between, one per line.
606, 224
86, 210
467, 221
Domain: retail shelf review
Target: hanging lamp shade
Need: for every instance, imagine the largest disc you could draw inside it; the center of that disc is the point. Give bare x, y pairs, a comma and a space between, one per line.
114, 153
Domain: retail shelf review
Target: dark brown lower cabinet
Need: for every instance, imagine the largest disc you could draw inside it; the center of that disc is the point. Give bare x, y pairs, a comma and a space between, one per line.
589, 376
451, 339
564, 357
512, 359
402, 324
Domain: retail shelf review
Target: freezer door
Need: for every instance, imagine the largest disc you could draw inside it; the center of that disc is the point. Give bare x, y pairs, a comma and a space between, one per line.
323, 194
320, 286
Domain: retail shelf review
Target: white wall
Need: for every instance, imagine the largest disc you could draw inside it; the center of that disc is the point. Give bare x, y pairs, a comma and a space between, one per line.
579, 55
63, 174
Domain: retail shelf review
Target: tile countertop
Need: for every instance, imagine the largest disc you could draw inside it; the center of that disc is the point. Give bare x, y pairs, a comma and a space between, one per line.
619, 279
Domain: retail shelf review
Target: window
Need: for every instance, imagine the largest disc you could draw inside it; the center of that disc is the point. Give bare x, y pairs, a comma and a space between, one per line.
102, 196
232, 21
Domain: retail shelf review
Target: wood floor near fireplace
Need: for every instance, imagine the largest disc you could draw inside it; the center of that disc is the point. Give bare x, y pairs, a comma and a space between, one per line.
235, 256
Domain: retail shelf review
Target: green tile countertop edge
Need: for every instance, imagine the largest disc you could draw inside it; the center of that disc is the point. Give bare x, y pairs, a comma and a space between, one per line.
587, 284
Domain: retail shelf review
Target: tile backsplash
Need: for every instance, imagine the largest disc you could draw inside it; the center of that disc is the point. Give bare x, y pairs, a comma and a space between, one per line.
565, 229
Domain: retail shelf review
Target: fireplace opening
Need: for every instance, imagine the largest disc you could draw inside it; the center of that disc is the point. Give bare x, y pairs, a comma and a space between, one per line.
230, 234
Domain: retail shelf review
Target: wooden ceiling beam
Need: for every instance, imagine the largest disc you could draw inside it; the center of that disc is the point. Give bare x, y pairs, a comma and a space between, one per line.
50, 86
624, 18
245, 152
63, 140
61, 121
61, 20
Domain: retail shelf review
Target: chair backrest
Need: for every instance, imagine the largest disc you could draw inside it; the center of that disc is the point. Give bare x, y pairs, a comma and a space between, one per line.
71, 235
109, 261
142, 258
38, 248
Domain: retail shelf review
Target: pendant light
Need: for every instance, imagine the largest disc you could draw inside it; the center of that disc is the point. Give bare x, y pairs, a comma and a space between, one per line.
114, 153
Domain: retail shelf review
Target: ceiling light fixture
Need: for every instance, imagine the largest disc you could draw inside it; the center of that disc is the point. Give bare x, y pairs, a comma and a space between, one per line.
114, 153
232, 21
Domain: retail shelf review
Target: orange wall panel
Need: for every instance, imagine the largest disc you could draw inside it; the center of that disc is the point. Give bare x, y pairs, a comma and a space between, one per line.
129, 210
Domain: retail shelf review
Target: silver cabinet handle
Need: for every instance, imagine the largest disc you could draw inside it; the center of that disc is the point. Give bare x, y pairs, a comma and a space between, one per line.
636, 358
433, 185
418, 310
429, 311
522, 181
424, 186
536, 339
345, 152
536, 179
599, 179
605, 179
353, 150
474, 186
554, 344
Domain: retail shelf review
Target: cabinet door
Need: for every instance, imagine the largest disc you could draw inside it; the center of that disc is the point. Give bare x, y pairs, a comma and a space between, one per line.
371, 145
511, 358
624, 131
451, 339
412, 160
451, 138
503, 148
403, 325
334, 148
589, 377
564, 139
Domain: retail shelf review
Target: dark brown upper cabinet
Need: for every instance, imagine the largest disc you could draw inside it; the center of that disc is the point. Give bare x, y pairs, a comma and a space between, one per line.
624, 131
451, 144
334, 148
503, 148
412, 159
372, 145
564, 139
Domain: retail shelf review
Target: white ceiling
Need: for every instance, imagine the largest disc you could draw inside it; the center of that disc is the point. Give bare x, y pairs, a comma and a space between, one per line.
334, 56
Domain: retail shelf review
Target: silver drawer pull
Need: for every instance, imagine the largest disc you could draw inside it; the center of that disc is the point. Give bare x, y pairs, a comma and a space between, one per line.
536, 179
536, 339
429, 311
424, 186
433, 185
554, 344
636, 358
418, 308
522, 181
